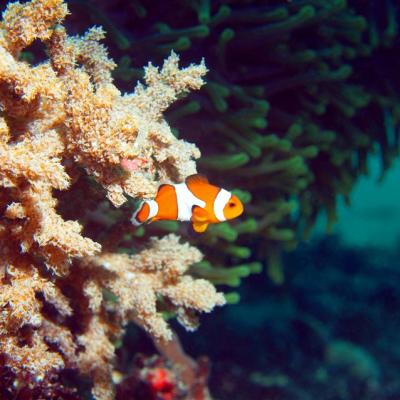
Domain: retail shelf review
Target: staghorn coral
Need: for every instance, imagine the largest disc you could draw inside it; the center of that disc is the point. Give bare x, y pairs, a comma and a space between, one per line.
283, 114
67, 132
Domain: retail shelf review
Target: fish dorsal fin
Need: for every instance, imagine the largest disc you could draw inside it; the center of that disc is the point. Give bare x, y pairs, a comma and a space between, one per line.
199, 214
196, 178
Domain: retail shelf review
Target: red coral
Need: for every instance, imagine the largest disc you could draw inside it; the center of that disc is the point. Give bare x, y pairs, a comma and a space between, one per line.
162, 383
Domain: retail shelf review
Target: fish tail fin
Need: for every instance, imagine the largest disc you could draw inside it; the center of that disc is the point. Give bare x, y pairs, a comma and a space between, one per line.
147, 210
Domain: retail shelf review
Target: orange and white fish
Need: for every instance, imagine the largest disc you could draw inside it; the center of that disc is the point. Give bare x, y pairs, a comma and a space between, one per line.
194, 200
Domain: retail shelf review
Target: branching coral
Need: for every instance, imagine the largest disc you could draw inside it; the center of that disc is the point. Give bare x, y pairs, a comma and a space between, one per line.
62, 122
140, 279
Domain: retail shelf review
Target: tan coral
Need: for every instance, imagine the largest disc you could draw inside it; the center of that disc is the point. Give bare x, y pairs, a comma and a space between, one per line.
23, 23
4, 131
21, 309
96, 358
93, 56
159, 270
63, 124
61, 337
107, 128
36, 357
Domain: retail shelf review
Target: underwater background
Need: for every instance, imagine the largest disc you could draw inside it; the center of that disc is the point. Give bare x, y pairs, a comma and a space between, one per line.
300, 117
330, 330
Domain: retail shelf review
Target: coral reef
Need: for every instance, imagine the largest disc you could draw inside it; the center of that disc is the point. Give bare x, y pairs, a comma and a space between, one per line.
67, 132
298, 96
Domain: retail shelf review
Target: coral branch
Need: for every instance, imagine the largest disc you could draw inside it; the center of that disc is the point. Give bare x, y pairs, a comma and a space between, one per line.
68, 135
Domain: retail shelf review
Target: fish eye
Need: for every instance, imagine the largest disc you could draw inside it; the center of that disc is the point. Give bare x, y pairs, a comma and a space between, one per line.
231, 204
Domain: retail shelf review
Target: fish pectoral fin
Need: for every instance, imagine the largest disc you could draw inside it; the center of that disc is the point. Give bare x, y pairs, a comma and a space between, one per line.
199, 219
200, 227
199, 214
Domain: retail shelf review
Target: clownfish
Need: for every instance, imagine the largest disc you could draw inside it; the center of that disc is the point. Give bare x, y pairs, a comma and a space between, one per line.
194, 200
